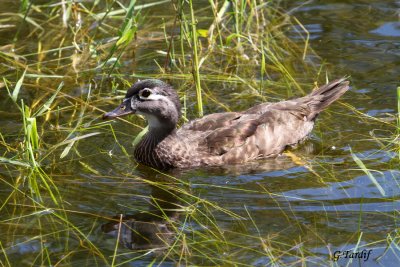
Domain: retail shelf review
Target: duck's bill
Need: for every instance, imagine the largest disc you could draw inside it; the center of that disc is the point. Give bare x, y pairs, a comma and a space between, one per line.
122, 110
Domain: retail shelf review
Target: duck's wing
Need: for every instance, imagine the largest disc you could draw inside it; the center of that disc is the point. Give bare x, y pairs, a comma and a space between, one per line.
212, 121
214, 135
260, 108
224, 139
257, 135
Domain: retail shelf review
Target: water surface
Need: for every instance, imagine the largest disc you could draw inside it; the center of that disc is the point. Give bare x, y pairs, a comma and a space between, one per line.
284, 208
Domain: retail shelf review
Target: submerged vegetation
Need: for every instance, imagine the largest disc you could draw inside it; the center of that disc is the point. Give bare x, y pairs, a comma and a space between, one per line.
65, 173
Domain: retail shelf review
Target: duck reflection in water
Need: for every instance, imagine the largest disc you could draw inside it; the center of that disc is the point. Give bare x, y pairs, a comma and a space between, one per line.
148, 230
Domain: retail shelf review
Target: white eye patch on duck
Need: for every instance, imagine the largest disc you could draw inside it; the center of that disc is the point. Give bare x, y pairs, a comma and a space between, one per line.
147, 94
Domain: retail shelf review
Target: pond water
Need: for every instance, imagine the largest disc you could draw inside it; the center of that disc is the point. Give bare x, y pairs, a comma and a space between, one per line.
293, 210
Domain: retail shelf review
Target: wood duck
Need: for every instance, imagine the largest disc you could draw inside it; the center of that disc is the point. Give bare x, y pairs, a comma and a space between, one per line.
262, 131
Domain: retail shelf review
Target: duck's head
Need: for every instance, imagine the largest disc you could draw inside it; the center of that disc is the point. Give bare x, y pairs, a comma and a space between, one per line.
157, 101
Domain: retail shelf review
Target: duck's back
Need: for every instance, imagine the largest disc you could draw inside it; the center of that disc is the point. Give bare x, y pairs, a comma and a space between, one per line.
231, 138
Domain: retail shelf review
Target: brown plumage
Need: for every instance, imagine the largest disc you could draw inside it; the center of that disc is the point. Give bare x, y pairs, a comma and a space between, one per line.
262, 131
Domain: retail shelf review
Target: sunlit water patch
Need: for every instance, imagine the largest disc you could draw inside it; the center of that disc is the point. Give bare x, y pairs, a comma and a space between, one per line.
388, 29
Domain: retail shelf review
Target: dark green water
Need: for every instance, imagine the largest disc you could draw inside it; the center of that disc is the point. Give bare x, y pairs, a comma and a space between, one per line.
287, 212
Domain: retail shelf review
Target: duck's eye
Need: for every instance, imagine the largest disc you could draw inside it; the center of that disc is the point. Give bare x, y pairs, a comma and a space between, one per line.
145, 93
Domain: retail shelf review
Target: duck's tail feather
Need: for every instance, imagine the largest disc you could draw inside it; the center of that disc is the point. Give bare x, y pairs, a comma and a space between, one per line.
327, 94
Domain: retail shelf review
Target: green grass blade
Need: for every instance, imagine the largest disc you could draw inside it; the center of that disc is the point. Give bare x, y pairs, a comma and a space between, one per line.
196, 65
46, 106
70, 143
368, 173
17, 87
140, 136
14, 162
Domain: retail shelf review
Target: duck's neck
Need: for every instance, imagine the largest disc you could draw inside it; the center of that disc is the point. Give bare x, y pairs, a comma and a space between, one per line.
159, 128
145, 149
160, 133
